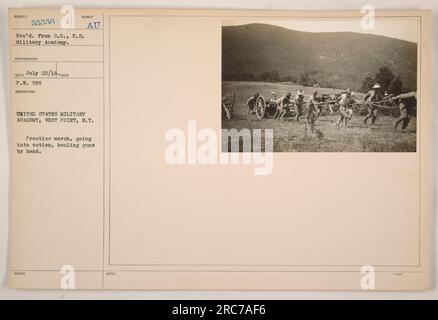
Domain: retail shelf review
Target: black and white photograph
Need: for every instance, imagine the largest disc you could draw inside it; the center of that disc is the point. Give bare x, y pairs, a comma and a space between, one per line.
323, 85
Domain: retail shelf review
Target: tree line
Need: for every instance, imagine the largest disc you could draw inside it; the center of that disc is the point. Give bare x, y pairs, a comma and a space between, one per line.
390, 82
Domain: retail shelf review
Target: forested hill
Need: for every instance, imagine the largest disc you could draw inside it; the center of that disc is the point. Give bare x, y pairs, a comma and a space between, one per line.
332, 59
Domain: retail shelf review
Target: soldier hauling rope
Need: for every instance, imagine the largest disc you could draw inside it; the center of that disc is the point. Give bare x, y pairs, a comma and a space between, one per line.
282, 104
346, 101
404, 116
299, 102
371, 97
312, 112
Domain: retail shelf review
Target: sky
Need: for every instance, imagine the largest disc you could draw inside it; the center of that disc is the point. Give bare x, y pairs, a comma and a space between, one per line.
400, 28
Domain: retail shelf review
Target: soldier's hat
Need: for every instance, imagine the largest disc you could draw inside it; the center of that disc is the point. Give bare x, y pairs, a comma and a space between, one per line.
377, 86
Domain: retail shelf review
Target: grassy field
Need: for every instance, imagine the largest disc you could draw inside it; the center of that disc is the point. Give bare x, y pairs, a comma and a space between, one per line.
290, 136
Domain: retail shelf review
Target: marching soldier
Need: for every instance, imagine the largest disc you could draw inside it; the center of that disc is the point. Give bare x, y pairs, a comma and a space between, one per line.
371, 97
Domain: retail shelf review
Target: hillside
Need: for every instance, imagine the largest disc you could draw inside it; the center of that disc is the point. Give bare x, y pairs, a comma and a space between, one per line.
335, 59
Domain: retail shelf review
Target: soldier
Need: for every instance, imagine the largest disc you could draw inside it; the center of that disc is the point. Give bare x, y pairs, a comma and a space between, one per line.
251, 104
312, 102
346, 100
318, 107
352, 100
371, 97
343, 106
404, 116
299, 101
388, 99
282, 103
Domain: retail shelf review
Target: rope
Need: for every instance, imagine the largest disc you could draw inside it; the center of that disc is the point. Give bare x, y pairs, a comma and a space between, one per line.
377, 104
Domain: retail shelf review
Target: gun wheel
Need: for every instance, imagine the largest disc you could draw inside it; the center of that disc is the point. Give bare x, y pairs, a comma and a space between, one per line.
260, 107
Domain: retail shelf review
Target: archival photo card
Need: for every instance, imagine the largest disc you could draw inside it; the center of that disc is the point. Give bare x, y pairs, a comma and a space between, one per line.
315, 175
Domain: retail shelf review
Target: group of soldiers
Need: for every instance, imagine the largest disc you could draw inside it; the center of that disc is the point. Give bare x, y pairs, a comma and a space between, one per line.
346, 100
376, 95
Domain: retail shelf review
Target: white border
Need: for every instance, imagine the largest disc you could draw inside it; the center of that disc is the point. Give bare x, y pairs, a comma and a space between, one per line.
6, 293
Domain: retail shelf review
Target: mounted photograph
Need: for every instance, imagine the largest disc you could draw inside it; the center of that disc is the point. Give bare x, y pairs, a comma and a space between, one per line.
322, 85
